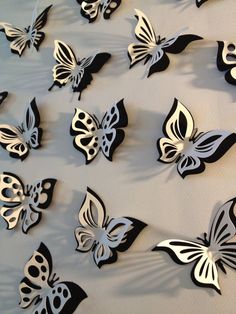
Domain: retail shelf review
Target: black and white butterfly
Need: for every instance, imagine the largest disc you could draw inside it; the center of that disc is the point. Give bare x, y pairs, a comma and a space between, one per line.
3, 96
91, 8
79, 73
101, 235
25, 202
188, 150
153, 49
213, 252
91, 136
200, 2
30, 36
226, 60
40, 287
18, 140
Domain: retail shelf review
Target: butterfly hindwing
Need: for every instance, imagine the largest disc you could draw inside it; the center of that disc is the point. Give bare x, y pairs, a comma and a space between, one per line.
226, 60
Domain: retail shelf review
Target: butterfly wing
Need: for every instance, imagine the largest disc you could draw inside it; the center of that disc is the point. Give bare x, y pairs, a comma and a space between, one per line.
115, 119
3, 96
109, 7
90, 9
85, 128
226, 60
200, 2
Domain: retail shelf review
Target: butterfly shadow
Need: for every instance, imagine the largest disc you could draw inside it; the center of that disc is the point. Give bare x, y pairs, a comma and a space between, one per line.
183, 4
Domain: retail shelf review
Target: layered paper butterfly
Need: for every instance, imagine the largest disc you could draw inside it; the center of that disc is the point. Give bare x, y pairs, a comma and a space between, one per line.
200, 2
104, 236
18, 140
91, 136
213, 252
226, 60
30, 36
25, 202
153, 49
188, 150
3, 96
91, 8
40, 287
79, 73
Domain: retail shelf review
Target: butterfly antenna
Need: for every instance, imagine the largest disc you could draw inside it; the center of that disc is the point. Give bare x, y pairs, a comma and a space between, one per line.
96, 120
34, 15
54, 280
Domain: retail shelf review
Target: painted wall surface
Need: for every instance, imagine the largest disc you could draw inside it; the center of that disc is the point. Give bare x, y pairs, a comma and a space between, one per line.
135, 184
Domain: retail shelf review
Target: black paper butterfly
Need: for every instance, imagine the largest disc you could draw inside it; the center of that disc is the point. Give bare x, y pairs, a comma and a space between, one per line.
24, 202
30, 36
104, 236
40, 288
200, 2
188, 150
91, 8
215, 251
153, 50
226, 60
3, 96
18, 140
79, 73
89, 141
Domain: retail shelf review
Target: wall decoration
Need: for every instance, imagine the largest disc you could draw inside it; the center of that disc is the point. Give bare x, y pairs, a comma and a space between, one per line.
3, 96
212, 253
226, 60
188, 150
87, 136
79, 73
153, 49
104, 236
200, 2
90, 9
18, 140
39, 287
24, 202
30, 36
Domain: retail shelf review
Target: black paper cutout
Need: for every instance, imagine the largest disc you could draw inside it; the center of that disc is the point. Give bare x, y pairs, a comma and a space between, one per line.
153, 49
101, 235
226, 60
200, 2
90, 9
39, 287
79, 73
214, 252
18, 140
179, 132
27, 37
3, 96
85, 128
24, 202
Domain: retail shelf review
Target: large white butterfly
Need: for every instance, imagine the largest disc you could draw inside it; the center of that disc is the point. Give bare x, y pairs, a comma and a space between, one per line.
91, 136
91, 8
31, 35
39, 287
104, 236
213, 251
3, 96
24, 202
79, 73
188, 150
226, 60
200, 2
18, 140
153, 49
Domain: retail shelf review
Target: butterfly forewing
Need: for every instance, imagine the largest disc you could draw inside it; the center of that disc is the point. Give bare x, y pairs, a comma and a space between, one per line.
109, 6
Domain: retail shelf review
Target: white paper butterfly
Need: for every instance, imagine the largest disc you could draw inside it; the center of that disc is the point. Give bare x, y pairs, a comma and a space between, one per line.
18, 140
39, 287
91, 8
104, 236
226, 60
152, 49
86, 129
24, 202
3, 96
214, 251
188, 150
30, 36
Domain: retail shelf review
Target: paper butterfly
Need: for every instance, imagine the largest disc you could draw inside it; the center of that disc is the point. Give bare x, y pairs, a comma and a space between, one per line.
200, 2
91, 136
188, 150
91, 8
101, 235
30, 36
226, 60
79, 73
39, 287
3, 96
214, 252
24, 202
18, 140
153, 49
